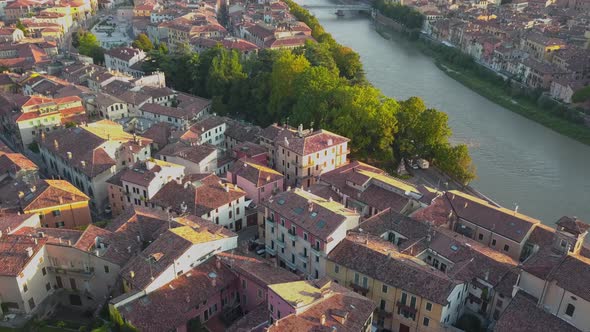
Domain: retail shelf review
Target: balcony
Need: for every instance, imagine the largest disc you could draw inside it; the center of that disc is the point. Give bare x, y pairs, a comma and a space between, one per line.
316, 250
73, 272
384, 313
280, 242
303, 257
270, 222
291, 265
359, 288
271, 251
406, 309
292, 235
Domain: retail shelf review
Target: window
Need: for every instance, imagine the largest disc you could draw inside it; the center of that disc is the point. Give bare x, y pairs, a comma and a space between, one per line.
272, 309
31, 303
336, 269
44, 271
365, 282
317, 259
25, 288
47, 287
570, 310
106, 269
480, 236
243, 284
494, 242
382, 305
305, 236
413, 302
426, 321
259, 293
428, 306
404, 298
384, 288
56, 213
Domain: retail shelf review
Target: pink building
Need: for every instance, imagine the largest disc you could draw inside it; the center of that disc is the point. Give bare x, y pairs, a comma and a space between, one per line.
258, 181
254, 276
252, 151
311, 304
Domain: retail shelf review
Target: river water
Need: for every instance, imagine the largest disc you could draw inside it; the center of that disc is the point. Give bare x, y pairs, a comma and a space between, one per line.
519, 162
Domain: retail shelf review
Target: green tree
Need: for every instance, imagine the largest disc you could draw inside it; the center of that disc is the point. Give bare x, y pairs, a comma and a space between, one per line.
581, 95
285, 70
89, 45
456, 162
22, 27
143, 43
348, 62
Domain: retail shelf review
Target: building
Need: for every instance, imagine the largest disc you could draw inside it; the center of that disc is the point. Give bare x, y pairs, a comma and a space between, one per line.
498, 228
203, 292
300, 229
25, 118
108, 107
58, 203
258, 181
122, 59
189, 242
89, 155
410, 296
254, 277
143, 180
205, 196
303, 156
195, 157
314, 305
369, 190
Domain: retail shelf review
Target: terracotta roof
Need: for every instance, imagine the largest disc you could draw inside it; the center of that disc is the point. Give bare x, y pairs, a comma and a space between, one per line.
166, 307
201, 193
522, 315
10, 221
195, 153
255, 173
573, 275
322, 219
342, 309
390, 221
15, 162
312, 143
380, 260
260, 271
13, 252
52, 193
254, 321
159, 133
502, 221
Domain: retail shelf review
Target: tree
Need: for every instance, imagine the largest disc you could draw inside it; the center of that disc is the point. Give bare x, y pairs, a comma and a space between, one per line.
456, 162
21, 26
348, 62
285, 70
143, 43
89, 45
581, 95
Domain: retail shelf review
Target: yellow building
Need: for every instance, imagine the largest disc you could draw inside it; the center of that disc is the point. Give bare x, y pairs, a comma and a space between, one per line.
542, 47
410, 295
58, 203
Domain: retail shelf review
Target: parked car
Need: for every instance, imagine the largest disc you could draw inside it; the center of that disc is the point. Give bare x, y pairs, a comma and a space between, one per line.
261, 251
423, 163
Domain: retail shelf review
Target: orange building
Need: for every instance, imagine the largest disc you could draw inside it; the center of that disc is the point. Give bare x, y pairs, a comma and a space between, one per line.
58, 203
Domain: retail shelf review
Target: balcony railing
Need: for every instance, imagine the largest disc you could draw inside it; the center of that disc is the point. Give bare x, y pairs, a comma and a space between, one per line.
359, 288
280, 243
73, 272
292, 235
271, 251
384, 313
316, 250
303, 257
407, 308
270, 221
291, 265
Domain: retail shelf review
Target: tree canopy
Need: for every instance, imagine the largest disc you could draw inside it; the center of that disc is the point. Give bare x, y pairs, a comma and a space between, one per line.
408, 16
88, 45
143, 43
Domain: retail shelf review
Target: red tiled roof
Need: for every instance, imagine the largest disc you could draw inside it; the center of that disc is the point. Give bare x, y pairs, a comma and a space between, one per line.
312, 143
13, 252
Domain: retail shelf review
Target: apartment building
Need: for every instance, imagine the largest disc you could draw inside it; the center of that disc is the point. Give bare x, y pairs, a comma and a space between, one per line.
210, 130
258, 181
499, 228
89, 155
317, 305
189, 242
142, 181
300, 229
409, 295
121, 59
108, 107
369, 190
254, 277
25, 118
303, 156
206, 196
195, 157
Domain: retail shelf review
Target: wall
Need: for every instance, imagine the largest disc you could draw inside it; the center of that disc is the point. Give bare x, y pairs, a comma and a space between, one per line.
278, 307
556, 302
72, 215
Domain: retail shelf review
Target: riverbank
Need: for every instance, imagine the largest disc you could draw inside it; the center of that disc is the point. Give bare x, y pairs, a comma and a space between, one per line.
497, 94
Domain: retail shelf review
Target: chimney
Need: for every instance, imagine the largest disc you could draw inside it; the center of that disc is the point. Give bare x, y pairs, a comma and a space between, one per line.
286, 141
218, 263
61, 200
213, 282
69, 155
309, 205
56, 144
323, 320
132, 274
83, 163
227, 188
30, 251
487, 275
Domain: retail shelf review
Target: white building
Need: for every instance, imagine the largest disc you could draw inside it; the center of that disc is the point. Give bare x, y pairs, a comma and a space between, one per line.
142, 181
121, 59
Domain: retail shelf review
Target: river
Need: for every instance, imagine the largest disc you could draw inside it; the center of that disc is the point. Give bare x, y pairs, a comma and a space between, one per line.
519, 162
